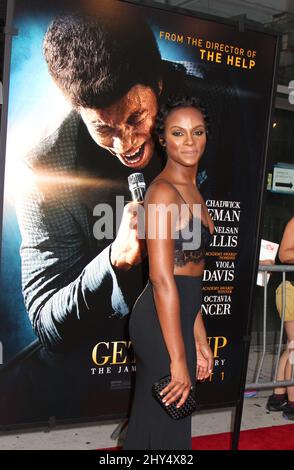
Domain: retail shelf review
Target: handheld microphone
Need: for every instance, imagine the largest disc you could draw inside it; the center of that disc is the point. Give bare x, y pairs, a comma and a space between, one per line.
137, 186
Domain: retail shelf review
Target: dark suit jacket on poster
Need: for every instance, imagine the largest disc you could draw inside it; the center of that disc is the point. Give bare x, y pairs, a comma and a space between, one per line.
68, 279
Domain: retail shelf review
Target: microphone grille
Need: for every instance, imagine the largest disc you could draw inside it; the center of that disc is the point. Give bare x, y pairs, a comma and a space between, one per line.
136, 180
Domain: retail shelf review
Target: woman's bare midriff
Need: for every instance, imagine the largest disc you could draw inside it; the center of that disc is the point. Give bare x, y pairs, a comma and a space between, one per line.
190, 269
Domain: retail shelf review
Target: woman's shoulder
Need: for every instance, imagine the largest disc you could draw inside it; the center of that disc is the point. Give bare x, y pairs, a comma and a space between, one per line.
160, 191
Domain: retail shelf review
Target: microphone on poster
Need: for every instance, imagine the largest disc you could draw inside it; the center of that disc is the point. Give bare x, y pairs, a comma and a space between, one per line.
137, 186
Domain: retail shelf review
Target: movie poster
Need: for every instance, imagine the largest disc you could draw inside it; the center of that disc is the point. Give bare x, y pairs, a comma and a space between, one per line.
75, 134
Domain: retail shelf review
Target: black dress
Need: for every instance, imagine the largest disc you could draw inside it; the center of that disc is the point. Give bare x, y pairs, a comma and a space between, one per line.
149, 426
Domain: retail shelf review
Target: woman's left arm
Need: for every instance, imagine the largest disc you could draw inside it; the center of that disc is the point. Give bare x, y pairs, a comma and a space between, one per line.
203, 350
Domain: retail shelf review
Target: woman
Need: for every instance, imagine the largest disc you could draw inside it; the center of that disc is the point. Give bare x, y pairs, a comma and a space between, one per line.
166, 326
283, 398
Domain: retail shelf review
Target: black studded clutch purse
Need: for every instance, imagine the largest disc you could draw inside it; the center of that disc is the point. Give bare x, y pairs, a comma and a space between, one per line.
176, 413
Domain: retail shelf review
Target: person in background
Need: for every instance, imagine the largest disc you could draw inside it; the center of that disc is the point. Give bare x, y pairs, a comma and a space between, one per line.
283, 397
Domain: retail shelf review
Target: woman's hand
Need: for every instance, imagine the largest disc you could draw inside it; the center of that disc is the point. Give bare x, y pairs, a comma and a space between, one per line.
180, 384
204, 361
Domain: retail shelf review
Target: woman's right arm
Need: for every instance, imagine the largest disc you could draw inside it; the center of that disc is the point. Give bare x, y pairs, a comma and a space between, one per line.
286, 251
161, 266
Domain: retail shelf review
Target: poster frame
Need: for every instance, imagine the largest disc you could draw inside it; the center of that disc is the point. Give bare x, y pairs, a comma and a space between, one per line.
241, 25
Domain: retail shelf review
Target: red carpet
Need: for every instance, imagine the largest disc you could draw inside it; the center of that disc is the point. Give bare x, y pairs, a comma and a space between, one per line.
272, 438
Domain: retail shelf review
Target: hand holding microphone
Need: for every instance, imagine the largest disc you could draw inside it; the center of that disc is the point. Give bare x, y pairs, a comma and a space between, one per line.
127, 249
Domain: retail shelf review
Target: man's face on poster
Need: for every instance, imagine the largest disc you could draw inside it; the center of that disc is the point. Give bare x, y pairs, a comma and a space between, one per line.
125, 128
